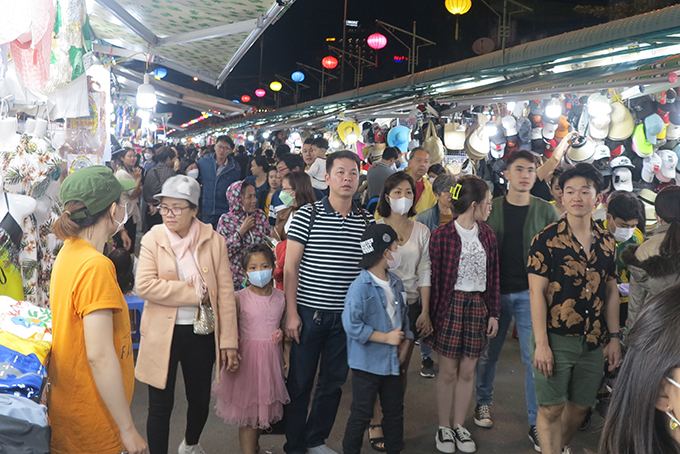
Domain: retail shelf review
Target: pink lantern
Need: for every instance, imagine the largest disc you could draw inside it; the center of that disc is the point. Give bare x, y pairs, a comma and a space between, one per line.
376, 41
260, 93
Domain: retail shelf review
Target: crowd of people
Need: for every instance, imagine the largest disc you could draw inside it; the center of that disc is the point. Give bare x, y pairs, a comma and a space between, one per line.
264, 275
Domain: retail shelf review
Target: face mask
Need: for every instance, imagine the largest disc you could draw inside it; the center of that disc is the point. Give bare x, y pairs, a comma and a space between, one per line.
401, 206
148, 156
287, 199
193, 173
432, 180
123, 222
260, 278
395, 262
622, 235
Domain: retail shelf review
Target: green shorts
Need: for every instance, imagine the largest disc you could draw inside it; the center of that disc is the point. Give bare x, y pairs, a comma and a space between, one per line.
577, 372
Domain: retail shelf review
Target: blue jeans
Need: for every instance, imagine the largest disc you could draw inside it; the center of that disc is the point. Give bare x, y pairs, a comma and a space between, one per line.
516, 304
323, 344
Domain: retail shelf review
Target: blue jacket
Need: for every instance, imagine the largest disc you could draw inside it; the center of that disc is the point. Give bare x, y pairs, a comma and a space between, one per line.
214, 192
430, 217
366, 311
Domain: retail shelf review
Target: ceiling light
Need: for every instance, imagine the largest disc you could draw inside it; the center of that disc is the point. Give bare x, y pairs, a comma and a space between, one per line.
146, 95
553, 109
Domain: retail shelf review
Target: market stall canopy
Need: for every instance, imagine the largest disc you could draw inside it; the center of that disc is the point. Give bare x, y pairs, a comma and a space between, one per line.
209, 38
597, 52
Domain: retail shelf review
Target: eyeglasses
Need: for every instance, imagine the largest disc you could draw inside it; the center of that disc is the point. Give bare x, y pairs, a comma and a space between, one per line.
223, 147
176, 211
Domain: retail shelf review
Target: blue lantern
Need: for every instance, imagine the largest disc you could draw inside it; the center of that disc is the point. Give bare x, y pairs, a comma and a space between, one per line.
298, 76
160, 73
236, 101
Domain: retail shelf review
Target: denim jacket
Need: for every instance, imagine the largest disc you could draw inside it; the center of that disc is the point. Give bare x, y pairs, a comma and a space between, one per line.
430, 217
366, 311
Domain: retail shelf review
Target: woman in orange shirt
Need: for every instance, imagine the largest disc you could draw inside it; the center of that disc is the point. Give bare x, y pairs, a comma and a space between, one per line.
91, 369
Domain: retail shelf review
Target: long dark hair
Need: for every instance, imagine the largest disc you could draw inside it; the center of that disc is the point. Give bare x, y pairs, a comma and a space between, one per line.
633, 424
667, 206
384, 208
473, 189
302, 185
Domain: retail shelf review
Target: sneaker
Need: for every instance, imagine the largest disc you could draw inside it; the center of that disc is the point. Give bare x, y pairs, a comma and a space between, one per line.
464, 441
321, 449
533, 436
566, 450
427, 369
446, 440
184, 448
483, 416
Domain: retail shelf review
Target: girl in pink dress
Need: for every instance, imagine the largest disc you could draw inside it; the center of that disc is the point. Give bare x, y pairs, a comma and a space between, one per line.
253, 397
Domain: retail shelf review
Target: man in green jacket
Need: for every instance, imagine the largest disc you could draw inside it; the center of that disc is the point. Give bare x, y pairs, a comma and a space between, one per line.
515, 219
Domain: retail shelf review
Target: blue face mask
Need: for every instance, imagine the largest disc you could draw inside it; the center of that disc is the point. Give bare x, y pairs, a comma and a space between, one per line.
260, 278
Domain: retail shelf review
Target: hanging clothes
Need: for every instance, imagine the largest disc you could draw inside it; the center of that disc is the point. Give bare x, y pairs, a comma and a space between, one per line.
10, 243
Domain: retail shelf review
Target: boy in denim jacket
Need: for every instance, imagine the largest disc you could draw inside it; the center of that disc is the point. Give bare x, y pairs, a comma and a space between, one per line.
375, 319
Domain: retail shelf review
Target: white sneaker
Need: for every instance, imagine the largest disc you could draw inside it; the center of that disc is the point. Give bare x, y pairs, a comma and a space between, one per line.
321, 449
184, 448
445, 440
566, 450
464, 440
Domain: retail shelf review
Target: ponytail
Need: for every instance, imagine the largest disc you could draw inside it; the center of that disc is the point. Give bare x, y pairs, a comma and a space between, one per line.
667, 207
65, 227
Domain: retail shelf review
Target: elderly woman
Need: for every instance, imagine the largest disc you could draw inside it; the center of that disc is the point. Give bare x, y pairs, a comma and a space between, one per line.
184, 275
243, 226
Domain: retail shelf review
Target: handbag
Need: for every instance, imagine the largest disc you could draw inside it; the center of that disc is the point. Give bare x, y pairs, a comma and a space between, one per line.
204, 322
433, 145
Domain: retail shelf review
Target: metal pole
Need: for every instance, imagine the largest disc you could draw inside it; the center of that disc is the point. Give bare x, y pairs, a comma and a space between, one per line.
505, 28
342, 60
414, 50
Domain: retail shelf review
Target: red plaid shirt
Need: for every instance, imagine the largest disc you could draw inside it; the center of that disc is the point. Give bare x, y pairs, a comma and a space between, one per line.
445, 246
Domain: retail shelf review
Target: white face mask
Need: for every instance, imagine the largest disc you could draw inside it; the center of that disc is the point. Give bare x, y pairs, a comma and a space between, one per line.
122, 223
621, 235
148, 156
193, 173
402, 205
432, 180
395, 262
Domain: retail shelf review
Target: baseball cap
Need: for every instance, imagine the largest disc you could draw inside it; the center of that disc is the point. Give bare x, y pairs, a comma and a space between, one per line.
642, 106
549, 129
622, 161
653, 126
598, 127
674, 117
375, 240
574, 114
94, 186
181, 187
562, 127
672, 132
601, 152
622, 124
582, 149
640, 144
669, 161
524, 129
510, 125
651, 165
676, 150
622, 179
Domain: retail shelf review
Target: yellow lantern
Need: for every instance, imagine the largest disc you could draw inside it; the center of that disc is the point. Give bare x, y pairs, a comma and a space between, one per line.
276, 86
457, 8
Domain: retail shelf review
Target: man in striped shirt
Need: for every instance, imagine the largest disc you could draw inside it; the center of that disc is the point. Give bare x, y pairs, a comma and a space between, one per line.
321, 262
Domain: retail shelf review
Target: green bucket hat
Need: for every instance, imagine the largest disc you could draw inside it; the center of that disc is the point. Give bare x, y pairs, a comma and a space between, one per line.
96, 187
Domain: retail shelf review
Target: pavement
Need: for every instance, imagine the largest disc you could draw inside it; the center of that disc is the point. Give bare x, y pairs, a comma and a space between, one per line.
508, 436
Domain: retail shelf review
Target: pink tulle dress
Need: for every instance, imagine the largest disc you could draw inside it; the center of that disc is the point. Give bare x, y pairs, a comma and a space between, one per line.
255, 394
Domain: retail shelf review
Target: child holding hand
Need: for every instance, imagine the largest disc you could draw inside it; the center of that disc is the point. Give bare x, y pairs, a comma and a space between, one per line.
375, 319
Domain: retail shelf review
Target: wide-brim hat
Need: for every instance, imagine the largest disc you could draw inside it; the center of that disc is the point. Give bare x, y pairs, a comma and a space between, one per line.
345, 128
96, 187
477, 144
399, 137
622, 124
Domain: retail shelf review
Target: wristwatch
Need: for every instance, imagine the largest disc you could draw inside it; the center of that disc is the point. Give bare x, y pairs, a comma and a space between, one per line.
615, 336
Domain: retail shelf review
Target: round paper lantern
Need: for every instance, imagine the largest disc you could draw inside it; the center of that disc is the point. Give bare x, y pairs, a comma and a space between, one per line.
276, 86
376, 41
329, 62
298, 76
160, 73
457, 7
260, 93
245, 98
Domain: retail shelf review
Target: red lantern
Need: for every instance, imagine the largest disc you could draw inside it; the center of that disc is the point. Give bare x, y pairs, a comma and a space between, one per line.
245, 98
329, 62
376, 41
260, 93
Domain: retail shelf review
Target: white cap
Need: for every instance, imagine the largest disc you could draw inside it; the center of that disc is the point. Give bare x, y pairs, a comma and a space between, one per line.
599, 127
549, 130
536, 133
601, 152
622, 179
672, 132
621, 161
669, 160
181, 187
650, 167
510, 125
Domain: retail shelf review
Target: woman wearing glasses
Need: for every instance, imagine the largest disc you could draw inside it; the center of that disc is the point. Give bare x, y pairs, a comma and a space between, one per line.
183, 274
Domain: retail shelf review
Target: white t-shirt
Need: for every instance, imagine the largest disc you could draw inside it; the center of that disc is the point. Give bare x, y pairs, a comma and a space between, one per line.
391, 303
187, 314
472, 262
415, 268
317, 171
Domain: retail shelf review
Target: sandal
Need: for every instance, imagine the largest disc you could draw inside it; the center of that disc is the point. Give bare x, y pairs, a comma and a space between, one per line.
377, 443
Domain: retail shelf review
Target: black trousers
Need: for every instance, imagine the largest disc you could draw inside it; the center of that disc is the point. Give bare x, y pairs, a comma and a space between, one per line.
197, 355
365, 388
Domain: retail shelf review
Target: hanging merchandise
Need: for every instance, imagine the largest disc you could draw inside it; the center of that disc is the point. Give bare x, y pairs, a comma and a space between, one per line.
349, 133
622, 124
477, 145
433, 144
581, 149
454, 136
399, 137
86, 137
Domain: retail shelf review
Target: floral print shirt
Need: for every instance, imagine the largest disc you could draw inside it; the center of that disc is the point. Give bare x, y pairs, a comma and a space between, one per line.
578, 283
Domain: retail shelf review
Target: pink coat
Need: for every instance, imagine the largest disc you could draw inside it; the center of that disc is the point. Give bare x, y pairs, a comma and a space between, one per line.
159, 285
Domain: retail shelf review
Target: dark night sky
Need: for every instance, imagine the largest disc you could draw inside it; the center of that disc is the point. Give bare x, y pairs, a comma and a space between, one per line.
300, 36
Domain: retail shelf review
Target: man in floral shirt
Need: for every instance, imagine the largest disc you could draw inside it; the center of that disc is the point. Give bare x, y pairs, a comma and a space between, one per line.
574, 300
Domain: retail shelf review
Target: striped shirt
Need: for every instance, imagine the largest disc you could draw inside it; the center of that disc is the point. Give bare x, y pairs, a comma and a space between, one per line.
331, 255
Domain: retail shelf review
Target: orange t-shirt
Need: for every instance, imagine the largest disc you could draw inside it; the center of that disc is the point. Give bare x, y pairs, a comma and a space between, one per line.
83, 281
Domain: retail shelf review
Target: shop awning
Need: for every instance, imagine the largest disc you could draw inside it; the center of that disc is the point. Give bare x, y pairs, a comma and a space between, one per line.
205, 39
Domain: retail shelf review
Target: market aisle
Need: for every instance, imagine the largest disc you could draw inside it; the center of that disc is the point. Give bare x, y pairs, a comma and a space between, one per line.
509, 434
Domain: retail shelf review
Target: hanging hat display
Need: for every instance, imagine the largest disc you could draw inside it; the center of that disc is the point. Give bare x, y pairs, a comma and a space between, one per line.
582, 149
399, 137
622, 123
478, 145
349, 132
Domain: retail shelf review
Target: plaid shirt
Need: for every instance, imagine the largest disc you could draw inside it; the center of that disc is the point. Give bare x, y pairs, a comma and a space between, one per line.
577, 290
445, 247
